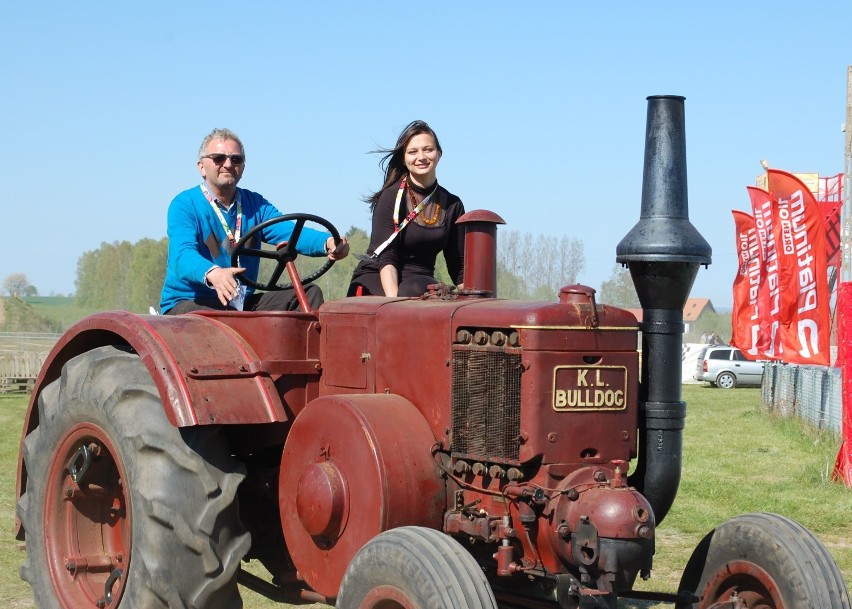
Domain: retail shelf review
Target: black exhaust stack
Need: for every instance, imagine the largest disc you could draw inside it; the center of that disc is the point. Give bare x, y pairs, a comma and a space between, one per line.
663, 252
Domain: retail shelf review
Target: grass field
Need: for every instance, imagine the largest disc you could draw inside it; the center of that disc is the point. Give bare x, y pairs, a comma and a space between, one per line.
61, 309
736, 460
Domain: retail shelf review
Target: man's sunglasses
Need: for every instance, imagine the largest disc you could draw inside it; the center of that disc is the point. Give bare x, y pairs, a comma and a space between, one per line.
219, 158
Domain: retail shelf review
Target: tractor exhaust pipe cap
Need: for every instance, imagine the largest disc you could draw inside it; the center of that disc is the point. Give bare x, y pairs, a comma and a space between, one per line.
664, 233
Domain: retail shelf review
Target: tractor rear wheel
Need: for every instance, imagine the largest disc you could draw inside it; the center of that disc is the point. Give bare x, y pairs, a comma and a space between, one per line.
122, 509
763, 561
414, 568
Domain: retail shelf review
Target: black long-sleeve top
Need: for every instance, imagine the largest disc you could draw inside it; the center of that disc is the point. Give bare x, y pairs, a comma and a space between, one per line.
415, 248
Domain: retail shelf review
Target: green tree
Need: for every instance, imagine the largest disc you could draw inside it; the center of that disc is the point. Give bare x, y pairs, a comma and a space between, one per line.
618, 290
509, 285
539, 265
146, 274
105, 278
18, 285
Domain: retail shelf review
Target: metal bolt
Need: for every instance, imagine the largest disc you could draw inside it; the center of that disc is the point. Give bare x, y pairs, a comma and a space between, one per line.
461, 467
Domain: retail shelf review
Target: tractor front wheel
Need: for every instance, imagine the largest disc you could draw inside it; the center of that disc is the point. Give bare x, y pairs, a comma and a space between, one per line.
763, 561
414, 568
122, 509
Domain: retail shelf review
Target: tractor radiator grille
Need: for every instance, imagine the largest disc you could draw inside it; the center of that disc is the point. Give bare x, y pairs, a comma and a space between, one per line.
486, 404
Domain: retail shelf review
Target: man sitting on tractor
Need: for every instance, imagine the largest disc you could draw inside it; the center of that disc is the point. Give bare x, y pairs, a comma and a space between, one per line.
205, 224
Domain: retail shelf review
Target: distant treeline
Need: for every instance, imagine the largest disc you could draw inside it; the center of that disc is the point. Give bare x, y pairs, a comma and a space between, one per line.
129, 276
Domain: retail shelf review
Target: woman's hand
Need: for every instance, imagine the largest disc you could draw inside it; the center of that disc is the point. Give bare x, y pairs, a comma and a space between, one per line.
338, 251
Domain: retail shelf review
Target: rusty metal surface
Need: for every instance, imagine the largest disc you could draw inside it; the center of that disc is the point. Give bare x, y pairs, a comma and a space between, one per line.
208, 368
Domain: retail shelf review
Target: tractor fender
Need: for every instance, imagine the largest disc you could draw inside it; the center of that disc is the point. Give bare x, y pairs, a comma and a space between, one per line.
204, 371
354, 466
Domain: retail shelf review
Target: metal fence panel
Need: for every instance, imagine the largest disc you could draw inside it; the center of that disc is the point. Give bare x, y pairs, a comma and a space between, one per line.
812, 393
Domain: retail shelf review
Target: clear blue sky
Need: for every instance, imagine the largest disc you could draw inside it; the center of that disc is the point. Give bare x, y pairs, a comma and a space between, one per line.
540, 108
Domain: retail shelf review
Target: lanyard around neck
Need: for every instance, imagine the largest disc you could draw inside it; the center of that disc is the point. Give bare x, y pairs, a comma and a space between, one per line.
397, 226
232, 237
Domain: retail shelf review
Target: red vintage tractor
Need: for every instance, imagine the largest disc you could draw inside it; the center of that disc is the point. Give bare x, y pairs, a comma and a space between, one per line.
450, 451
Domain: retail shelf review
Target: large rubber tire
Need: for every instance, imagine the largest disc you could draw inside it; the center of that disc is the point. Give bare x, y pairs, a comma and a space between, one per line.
151, 520
414, 568
770, 561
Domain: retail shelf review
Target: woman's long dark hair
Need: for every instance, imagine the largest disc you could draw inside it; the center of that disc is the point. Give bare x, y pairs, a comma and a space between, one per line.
393, 163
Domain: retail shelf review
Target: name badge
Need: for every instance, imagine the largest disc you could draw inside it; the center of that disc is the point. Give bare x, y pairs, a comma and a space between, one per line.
239, 301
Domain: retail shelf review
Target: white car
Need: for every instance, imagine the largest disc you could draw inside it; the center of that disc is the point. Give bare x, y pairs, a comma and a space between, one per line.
726, 367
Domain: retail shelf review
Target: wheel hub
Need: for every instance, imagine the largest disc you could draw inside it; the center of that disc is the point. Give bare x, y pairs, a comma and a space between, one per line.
743, 585
87, 515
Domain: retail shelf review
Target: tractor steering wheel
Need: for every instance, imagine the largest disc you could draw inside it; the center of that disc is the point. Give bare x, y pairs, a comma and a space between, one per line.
285, 255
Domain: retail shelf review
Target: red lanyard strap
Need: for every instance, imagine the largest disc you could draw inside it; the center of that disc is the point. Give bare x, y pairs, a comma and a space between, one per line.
232, 237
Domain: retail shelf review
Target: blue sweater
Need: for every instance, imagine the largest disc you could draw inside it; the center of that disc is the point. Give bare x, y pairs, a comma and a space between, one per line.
196, 236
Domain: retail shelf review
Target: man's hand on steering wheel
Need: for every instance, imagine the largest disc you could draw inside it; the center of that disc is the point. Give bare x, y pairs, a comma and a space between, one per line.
285, 254
337, 251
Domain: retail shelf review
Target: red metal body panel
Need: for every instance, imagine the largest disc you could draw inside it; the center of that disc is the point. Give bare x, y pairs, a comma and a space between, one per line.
581, 436
354, 466
403, 347
209, 368
413, 359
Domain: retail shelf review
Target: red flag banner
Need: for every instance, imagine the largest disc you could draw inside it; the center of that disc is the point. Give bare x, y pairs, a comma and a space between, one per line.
831, 218
769, 293
802, 271
745, 320
843, 464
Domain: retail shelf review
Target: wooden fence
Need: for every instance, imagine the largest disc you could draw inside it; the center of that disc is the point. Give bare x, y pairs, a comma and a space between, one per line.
22, 355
